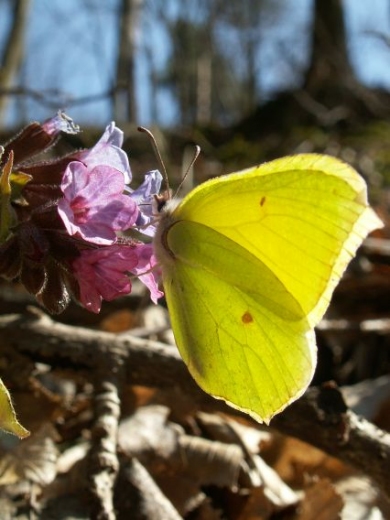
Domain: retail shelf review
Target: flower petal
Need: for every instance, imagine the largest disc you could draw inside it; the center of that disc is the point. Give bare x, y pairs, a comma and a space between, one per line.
144, 196
102, 274
93, 205
147, 271
107, 151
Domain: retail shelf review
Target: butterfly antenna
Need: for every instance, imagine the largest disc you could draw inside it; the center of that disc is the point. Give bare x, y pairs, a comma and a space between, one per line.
158, 154
190, 166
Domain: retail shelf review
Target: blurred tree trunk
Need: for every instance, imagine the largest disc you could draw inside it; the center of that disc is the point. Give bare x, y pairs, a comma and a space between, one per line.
204, 89
330, 79
125, 100
329, 63
205, 68
13, 52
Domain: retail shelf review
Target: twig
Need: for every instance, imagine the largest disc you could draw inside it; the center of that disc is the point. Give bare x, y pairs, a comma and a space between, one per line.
53, 98
103, 460
140, 497
322, 419
327, 117
379, 326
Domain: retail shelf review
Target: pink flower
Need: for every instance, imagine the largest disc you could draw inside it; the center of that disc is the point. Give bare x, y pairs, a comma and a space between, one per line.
94, 206
108, 151
102, 274
146, 270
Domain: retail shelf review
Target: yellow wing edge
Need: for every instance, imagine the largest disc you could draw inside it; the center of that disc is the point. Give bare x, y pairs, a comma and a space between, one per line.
310, 161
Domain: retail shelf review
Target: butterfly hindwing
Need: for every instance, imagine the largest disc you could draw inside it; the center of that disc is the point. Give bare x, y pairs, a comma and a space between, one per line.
235, 344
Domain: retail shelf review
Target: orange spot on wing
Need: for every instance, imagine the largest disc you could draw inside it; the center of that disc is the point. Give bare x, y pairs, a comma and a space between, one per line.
247, 317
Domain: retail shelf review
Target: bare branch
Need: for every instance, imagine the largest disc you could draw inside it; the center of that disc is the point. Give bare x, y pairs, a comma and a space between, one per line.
103, 460
54, 98
141, 489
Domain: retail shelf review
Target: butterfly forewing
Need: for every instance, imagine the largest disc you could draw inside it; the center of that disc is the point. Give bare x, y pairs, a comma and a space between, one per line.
304, 223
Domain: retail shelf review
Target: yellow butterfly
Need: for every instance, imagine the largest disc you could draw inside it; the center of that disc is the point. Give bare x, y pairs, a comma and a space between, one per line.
249, 263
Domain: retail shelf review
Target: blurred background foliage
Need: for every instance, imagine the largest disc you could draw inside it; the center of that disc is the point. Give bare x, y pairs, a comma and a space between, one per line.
247, 80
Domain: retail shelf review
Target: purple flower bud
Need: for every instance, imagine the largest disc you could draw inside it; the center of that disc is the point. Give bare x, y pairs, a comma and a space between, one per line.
36, 138
60, 123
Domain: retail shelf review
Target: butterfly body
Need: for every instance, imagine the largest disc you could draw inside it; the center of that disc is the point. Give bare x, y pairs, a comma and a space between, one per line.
249, 262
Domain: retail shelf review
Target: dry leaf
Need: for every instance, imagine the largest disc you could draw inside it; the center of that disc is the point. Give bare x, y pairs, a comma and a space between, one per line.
321, 502
34, 459
362, 500
147, 434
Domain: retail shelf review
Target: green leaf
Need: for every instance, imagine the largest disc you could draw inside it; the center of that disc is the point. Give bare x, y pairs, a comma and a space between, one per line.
8, 420
18, 180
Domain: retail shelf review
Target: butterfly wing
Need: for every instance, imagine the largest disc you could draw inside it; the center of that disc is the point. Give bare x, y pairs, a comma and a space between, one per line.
303, 216
249, 263
237, 344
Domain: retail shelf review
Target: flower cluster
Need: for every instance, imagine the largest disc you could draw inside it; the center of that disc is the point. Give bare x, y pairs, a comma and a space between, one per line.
65, 224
